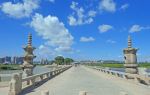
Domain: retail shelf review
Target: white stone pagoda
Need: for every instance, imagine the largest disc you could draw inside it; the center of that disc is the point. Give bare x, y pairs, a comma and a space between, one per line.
130, 58
28, 65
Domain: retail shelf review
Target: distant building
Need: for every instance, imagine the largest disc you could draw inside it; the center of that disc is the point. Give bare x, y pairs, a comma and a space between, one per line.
44, 61
11, 60
17, 60
2, 60
7, 60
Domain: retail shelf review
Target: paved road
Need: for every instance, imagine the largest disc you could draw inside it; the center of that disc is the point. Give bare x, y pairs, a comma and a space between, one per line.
83, 79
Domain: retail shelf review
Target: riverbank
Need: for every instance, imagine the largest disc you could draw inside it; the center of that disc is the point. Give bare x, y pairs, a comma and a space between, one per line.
14, 66
119, 65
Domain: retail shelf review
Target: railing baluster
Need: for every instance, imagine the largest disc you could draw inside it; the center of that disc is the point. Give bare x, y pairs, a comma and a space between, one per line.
46, 92
82, 93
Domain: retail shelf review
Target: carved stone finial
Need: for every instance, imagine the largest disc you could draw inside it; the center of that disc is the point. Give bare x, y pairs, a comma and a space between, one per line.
129, 42
30, 39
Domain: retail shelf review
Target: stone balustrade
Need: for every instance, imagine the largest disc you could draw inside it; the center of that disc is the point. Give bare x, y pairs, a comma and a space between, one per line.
46, 92
138, 78
82, 93
4, 75
17, 83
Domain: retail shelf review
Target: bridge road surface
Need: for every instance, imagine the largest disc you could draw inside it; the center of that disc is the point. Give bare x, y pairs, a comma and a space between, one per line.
84, 79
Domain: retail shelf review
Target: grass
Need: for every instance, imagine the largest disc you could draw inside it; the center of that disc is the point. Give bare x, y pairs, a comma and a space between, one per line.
9, 67
145, 65
118, 65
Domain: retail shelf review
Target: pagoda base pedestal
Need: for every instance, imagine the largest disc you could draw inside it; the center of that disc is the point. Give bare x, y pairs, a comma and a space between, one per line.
131, 69
27, 70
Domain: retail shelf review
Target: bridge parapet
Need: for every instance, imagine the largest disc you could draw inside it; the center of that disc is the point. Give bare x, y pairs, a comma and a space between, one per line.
138, 78
17, 83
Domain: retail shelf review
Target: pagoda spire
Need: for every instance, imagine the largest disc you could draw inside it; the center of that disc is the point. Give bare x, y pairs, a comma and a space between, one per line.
30, 39
129, 42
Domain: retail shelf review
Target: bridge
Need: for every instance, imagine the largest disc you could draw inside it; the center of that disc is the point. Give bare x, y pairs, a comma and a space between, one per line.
71, 80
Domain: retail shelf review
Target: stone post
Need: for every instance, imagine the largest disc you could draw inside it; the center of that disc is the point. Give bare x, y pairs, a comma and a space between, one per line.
47, 75
20, 82
123, 93
45, 92
41, 77
33, 81
82, 93
130, 58
51, 74
15, 85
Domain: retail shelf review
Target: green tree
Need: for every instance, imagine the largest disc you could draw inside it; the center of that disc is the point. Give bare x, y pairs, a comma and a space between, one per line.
68, 61
59, 60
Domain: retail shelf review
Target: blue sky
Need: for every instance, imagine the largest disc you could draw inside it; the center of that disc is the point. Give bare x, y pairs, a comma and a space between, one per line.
82, 29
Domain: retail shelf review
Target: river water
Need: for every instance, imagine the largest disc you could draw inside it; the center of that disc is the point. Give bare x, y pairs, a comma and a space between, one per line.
36, 70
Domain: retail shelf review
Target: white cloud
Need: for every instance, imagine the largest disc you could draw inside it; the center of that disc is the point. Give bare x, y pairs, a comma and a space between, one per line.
52, 1
111, 41
44, 52
125, 6
137, 28
79, 17
20, 10
107, 5
105, 28
53, 32
87, 39
92, 13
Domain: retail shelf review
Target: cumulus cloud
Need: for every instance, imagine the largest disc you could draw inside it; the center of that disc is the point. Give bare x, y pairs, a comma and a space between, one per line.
107, 5
92, 13
55, 34
44, 52
104, 28
87, 39
125, 6
20, 10
52, 1
111, 41
137, 28
79, 16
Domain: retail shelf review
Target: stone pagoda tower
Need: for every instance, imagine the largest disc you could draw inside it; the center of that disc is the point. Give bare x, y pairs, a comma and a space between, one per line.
28, 66
130, 58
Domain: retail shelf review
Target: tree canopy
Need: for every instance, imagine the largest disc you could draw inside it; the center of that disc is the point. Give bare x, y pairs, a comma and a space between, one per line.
68, 61
59, 60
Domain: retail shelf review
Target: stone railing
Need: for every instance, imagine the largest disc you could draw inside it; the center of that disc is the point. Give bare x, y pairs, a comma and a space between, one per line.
17, 83
138, 78
46, 92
